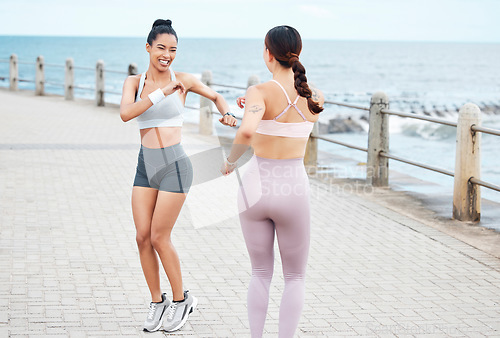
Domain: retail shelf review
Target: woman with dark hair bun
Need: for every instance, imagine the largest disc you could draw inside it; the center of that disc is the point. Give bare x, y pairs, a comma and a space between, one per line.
274, 191
164, 174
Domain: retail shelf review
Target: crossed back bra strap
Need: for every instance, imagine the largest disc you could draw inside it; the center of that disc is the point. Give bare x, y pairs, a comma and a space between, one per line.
290, 104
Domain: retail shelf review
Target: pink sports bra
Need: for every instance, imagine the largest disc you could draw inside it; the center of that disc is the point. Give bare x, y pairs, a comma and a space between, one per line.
285, 129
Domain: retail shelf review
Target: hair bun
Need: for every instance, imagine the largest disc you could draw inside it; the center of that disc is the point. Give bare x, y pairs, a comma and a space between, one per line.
161, 22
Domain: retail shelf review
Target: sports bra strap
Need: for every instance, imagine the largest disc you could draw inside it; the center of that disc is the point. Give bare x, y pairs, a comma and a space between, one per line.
284, 111
143, 79
141, 86
290, 104
284, 91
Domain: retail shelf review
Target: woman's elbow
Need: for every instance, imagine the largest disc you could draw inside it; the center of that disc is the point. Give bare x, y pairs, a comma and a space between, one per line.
218, 98
124, 114
246, 134
124, 117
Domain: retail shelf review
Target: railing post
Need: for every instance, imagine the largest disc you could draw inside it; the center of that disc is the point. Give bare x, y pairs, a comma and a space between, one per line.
132, 69
377, 167
39, 76
69, 80
14, 73
206, 123
311, 155
99, 83
467, 196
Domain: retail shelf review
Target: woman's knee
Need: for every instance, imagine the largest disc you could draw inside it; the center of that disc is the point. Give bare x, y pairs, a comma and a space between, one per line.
160, 241
143, 239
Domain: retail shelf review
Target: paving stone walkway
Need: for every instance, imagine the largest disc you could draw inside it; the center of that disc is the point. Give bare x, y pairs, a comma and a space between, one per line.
69, 264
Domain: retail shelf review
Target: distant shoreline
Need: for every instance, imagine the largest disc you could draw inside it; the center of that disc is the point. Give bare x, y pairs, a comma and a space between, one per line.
256, 39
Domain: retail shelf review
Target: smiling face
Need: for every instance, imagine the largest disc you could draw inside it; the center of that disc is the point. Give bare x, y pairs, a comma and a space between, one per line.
162, 52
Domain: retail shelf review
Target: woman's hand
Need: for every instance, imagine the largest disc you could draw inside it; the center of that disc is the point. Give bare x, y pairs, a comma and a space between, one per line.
240, 101
228, 120
227, 167
172, 87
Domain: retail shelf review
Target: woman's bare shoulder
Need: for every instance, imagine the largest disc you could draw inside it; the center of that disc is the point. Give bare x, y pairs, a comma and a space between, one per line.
263, 87
133, 79
184, 76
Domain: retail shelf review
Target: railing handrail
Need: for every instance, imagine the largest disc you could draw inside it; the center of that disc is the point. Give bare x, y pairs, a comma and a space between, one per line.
83, 88
53, 65
414, 163
324, 138
485, 130
467, 165
417, 164
68, 83
54, 84
476, 181
113, 92
419, 117
84, 68
75, 67
227, 86
347, 105
353, 106
115, 71
392, 112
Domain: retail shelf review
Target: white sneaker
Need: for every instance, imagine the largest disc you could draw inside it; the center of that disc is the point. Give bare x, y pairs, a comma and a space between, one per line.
156, 314
178, 312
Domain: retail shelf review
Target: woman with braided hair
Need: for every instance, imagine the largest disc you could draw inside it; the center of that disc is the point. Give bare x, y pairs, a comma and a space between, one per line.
274, 191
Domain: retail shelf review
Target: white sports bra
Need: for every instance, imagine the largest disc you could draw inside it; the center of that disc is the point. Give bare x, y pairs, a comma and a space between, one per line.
166, 113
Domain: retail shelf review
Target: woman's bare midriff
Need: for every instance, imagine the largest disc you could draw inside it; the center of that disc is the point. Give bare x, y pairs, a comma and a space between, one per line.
160, 137
277, 147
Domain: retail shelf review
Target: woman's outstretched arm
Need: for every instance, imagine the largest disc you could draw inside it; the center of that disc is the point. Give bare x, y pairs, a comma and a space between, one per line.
255, 107
196, 86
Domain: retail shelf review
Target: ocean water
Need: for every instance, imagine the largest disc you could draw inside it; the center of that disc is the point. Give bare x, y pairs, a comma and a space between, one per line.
417, 76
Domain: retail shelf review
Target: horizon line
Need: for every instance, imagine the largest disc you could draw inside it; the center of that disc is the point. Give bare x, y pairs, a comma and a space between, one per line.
252, 38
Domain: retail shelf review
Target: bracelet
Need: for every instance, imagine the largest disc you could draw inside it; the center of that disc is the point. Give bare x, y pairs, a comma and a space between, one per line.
231, 163
228, 113
156, 96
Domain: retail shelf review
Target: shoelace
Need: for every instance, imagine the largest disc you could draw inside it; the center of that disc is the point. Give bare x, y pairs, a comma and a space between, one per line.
171, 310
152, 310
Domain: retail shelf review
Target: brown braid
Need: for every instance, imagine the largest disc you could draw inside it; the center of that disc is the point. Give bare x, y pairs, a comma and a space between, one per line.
302, 87
285, 45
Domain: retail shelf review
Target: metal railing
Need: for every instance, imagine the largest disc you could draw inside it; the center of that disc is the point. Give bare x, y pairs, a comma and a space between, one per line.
206, 125
69, 76
466, 194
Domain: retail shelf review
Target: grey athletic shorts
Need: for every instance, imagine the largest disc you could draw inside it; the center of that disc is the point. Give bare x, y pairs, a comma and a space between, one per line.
166, 169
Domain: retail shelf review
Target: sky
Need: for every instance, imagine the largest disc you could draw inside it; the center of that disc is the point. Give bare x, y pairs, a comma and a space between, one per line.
378, 20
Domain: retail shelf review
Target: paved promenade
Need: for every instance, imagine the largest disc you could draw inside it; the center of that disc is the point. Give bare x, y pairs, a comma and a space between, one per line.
69, 264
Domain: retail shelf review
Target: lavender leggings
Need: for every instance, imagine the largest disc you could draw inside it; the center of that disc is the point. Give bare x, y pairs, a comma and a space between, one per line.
274, 197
